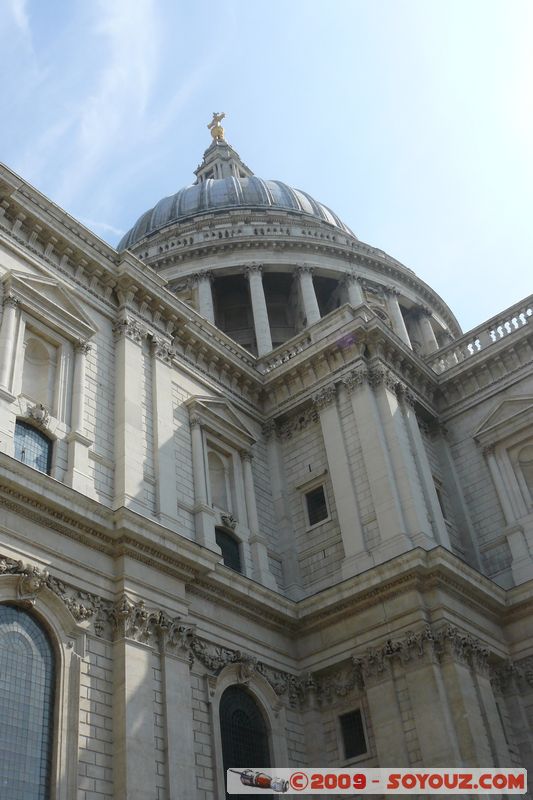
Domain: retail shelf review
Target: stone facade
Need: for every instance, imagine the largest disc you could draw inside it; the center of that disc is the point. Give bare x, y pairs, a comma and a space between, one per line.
373, 465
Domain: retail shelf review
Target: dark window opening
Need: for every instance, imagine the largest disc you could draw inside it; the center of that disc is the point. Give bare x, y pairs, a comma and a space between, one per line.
317, 509
244, 733
353, 734
33, 447
230, 549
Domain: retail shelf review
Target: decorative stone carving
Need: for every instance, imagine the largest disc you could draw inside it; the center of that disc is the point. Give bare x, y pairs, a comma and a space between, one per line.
246, 455
194, 279
355, 379
380, 375
253, 268
131, 328
10, 300
194, 420
270, 429
162, 350
304, 268
298, 422
39, 414
229, 521
325, 397
82, 346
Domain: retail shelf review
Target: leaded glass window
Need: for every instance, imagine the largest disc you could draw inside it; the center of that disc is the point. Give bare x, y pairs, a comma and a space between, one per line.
33, 447
230, 549
26, 706
244, 732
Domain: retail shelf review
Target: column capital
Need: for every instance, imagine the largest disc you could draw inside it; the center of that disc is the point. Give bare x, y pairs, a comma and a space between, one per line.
325, 397
304, 269
83, 346
390, 291
202, 275
10, 301
355, 379
161, 349
246, 455
351, 277
253, 269
270, 429
194, 421
130, 329
423, 311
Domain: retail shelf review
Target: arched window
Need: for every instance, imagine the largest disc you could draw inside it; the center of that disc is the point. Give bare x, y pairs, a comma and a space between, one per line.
244, 732
230, 549
26, 706
217, 480
33, 447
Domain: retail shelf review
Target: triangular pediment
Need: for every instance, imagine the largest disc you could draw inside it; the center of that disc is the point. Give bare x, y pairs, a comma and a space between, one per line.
222, 419
513, 412
51, 302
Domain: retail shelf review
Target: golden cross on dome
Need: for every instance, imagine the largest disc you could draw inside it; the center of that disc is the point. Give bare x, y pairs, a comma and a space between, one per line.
217, 131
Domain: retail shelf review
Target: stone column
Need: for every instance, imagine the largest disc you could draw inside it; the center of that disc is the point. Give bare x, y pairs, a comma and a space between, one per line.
392, 529
78, 445
354, 290
129, 376
7, 340
307, 292
259, 309
205, 295
395, 313
278, 483
257, 542
204, 516
164, 456
356, 557
429, 340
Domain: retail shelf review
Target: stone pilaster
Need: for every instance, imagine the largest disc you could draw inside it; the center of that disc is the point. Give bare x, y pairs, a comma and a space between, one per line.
259, 309
394, 539
404, 469
356, 557
204, 517
129, 373
280, 499
7, 341
258, 545
180, 761
307, 293
164, 456
77, 474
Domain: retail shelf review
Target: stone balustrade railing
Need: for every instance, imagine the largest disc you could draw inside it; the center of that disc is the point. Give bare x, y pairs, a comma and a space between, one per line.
507, 323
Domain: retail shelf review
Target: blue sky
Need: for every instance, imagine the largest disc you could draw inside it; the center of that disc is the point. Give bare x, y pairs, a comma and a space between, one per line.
412, 119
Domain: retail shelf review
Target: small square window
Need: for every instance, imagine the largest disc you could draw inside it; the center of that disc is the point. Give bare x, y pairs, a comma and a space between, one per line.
317, 507
353, 734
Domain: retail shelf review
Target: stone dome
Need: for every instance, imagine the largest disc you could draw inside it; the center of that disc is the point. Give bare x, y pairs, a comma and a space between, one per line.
223, 194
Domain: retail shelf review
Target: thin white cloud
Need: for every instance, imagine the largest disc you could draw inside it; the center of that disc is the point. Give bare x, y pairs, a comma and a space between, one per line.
20, 15
102, 226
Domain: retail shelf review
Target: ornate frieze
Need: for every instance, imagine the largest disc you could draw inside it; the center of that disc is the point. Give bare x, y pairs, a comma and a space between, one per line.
298, 422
